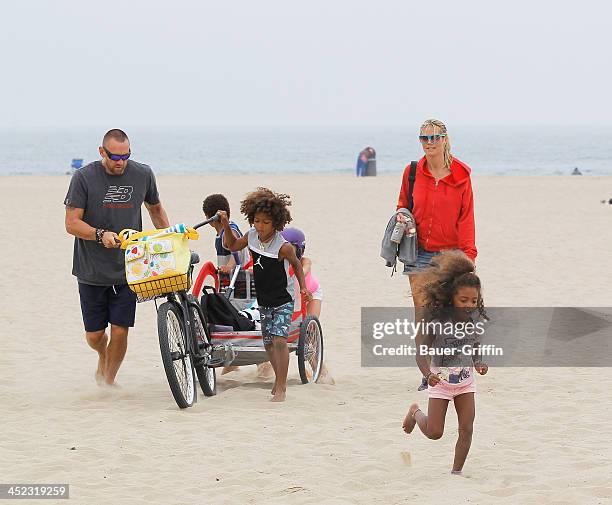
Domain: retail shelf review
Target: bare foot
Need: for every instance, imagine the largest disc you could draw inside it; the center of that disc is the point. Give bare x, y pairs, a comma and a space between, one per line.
456, 472
99, 376
228, 369
273, 391
409, 420
265, 370
110, 385
279, 396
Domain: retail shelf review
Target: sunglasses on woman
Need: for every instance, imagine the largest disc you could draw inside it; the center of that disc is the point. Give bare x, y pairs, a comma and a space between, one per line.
117, 157
431, 139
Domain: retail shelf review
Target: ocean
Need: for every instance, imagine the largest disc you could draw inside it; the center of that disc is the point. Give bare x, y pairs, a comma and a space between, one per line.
490, 150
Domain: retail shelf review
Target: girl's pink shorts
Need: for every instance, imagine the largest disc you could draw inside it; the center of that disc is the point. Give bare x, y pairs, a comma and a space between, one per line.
447, 391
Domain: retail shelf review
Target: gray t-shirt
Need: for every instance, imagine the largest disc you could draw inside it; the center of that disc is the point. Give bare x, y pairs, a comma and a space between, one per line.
112, 202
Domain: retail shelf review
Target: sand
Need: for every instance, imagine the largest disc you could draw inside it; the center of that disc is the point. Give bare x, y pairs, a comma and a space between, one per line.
541, 435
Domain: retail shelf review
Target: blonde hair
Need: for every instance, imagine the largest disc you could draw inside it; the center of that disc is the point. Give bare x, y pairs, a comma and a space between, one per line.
436, 123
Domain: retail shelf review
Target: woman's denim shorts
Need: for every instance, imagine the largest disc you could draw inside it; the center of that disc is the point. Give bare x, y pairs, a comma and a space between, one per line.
423, 261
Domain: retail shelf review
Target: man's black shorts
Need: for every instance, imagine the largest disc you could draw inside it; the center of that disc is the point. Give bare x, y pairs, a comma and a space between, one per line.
101, 305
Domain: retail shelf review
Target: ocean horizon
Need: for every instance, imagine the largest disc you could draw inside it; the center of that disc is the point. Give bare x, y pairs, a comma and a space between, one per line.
488, 150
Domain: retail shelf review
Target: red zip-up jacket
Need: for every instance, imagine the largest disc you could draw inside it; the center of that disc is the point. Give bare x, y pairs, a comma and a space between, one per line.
444, 211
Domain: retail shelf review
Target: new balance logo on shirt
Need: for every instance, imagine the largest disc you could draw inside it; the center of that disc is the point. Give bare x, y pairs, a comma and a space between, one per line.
118, 194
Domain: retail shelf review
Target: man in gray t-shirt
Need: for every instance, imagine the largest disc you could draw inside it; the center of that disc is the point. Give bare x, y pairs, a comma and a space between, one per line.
105, 197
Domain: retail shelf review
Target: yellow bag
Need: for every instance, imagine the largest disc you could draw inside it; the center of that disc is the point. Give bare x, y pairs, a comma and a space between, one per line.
157, 261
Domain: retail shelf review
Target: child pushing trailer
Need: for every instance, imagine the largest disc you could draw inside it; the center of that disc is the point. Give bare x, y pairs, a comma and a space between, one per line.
245, 347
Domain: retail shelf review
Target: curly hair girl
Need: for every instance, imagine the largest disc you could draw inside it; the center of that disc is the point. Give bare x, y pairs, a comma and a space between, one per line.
449, 272
450, 282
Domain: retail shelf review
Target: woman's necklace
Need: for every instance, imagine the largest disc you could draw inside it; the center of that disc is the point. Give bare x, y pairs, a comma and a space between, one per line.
439, 173
439, 170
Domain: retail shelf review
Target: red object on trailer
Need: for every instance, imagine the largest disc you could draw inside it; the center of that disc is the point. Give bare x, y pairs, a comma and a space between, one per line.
208, 270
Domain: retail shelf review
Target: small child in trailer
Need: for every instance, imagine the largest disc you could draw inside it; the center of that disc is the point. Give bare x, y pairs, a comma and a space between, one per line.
272, 255
452, 294
297, 239
226, 261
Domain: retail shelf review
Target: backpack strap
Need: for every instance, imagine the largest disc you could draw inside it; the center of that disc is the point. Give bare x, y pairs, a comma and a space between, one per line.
411, 179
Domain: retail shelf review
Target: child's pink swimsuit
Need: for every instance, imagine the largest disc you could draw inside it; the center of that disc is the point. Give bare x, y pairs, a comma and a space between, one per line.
312, 284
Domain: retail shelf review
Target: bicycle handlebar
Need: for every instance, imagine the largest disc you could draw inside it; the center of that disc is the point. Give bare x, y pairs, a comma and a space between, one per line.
204, 223
128, 235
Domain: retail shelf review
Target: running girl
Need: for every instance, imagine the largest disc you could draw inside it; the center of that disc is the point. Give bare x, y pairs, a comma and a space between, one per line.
452, 292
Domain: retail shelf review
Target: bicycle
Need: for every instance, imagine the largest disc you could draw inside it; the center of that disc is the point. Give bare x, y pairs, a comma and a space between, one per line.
184, 342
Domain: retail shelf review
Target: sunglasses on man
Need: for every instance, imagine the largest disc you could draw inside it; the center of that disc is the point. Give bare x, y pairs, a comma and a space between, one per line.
117, 157
431, 139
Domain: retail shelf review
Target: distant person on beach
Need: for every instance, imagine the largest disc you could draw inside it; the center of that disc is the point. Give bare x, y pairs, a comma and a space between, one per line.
452, 294
103, 198
443, 205
362, 160
272, 255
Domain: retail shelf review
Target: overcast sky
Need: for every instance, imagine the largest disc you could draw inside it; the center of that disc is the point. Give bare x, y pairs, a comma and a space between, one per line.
317, 62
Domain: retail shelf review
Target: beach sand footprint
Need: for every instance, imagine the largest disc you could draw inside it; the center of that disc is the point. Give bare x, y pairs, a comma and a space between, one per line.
406, 458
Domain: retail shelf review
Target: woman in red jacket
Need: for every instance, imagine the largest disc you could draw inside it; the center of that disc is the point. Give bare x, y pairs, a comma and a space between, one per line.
443, 203
443, 206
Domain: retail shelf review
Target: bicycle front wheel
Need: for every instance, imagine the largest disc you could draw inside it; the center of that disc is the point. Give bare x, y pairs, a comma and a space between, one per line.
177, 361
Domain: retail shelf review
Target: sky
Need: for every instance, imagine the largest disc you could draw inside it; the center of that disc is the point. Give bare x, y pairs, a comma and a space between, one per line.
185, 63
